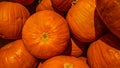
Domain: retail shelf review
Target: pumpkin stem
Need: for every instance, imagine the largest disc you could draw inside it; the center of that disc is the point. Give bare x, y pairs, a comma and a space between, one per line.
39, 1
74, 2
44, 36
68, 65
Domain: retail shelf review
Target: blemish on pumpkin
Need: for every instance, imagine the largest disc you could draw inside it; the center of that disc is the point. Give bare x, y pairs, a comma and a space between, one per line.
68, 65
115, 53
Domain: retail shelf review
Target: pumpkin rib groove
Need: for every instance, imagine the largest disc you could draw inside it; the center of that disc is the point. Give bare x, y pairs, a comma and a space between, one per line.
15, 23
102, 55
22, 15
9, 20
12, 20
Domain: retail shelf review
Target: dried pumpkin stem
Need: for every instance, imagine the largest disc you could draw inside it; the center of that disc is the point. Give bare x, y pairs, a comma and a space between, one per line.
74, 2
68, 65
39, 1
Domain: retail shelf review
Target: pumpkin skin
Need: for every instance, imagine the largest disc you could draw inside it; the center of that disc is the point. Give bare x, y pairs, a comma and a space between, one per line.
23, 2
75, 48
48, 36
84, 21
62, 5
105, 52
84, 59
64, 62
12, 19
109, 12
14, 55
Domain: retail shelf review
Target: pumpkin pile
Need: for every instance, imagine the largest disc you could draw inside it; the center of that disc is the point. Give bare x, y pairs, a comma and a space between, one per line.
59, 34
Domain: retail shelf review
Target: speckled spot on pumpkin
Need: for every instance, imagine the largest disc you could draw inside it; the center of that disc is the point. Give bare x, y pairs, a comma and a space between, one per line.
68, 65
115, 53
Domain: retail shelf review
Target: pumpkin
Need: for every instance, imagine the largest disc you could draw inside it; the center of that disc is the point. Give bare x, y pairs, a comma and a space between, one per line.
12, 19
14, 55
75, 48
47, 5
45, 34
44, 5
109, 12
24, 2
84, 21
62, 5
64, 62
105, 52
59, 5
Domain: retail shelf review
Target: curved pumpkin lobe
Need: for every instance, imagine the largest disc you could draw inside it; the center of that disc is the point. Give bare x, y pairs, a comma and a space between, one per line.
68, 65
44, 36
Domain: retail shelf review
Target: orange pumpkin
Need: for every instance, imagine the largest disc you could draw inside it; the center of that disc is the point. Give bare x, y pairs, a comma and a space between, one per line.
46, 34
105, 52
64, 62
60, 5
14, 55
48, 5
109, 12
12, 19
84, 22
75, 48
44, 5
